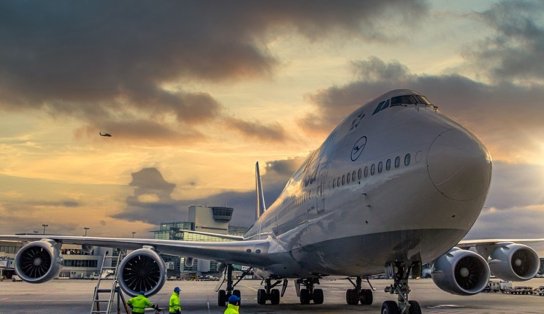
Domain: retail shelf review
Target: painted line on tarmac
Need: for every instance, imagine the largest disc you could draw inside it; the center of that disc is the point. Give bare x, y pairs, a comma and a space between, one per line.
246, 286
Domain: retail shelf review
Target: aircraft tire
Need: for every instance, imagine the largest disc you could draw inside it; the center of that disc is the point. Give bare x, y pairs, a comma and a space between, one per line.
275, 296
366, 297
390, 307
221, 298
414, 308
318, 296
351, 297
261, 296
305, 296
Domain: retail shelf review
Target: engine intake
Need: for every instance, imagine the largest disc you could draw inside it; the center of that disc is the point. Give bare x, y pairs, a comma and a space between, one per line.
461, 272
38, 261
142, 270
514, 262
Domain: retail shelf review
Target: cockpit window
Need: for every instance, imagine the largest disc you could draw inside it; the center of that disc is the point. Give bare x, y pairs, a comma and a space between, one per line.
403, 100
423, 100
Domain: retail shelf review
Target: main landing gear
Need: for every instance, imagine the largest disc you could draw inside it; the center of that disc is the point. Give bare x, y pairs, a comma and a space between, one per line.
223, 295
309, 293
268, 293
356, 295
401, 272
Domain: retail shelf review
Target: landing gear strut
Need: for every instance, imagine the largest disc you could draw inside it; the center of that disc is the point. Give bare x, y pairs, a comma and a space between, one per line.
268, 293
223, 295
309, 293
356, 295
401, 272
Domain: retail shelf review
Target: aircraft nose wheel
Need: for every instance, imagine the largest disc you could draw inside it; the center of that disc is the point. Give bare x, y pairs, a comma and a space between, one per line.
400, 287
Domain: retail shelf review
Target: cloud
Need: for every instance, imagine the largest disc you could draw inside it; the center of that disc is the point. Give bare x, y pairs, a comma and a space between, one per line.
99, 61
514, 51
483, 108
152, 203
141, 207
270, 133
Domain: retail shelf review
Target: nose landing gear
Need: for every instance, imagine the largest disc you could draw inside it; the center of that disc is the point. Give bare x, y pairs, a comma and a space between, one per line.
401, 272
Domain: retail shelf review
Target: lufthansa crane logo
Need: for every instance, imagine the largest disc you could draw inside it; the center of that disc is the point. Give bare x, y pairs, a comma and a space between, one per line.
358, 148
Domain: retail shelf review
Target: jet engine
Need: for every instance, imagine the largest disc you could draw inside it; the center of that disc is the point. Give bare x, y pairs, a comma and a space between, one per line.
38, 261
461, 272
142, 270
514, 262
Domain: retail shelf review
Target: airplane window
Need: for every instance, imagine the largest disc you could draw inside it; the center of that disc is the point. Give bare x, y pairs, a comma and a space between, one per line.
380, 167
338, 182
372, 169
397, 162
333, 183
386, 104
379, 107
343, 179
366, 171
348, 178
388, 165
423, 100
403, 100
359, 174
407, 160
353, 174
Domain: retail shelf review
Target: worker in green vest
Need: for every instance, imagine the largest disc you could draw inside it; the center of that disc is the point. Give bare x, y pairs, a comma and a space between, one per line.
174, 306
139, 303
234, 305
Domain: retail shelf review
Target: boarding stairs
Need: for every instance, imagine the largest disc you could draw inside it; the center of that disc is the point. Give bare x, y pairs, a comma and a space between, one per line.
107, 293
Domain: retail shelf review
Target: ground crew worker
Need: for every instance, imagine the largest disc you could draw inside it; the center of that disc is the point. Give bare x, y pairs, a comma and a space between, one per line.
174, 306
139, 303
234, 305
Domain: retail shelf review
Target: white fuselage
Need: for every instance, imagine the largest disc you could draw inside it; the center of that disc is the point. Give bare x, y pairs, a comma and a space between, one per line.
417, 182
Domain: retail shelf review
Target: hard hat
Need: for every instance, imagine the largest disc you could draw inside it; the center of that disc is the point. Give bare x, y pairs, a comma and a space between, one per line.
234, 298
177, 289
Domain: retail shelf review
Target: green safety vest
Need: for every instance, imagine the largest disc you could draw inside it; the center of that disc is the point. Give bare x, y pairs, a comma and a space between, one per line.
232, 309
139, 303
174, 305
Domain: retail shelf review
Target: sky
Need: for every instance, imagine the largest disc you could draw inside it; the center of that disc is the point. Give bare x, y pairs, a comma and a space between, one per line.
194, 92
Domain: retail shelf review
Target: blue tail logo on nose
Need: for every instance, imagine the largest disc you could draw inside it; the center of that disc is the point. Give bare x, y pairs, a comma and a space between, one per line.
358, 148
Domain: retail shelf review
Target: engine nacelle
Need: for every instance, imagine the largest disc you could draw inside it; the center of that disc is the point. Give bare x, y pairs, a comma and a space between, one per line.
461, 272
142, 270
38, 261
514, 262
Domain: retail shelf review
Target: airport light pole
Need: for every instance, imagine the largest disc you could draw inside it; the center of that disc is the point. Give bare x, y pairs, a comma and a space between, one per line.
44, 226
86, 229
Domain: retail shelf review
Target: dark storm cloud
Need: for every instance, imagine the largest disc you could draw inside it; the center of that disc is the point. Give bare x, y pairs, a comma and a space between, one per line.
266, 132
162, 208
516, 47
97, 60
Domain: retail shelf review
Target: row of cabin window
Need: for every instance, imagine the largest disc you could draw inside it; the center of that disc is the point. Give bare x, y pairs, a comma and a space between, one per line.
357, 175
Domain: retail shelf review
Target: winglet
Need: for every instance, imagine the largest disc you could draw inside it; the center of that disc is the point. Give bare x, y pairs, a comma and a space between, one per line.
261, 206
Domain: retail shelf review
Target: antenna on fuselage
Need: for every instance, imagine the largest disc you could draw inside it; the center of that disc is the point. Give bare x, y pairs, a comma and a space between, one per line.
261, 206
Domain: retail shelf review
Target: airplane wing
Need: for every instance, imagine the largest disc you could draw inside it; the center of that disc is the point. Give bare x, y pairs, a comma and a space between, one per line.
251, 252
466, 244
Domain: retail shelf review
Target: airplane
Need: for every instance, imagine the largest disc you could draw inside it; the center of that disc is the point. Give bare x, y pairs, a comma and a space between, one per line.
394, 186
104, 134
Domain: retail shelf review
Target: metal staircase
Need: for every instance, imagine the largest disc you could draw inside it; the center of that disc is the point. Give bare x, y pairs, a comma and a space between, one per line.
105, 297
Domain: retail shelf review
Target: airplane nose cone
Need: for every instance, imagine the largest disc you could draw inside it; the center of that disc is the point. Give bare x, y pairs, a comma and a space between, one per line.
459, 166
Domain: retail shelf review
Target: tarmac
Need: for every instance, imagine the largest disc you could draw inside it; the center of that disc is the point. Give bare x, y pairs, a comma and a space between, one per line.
74, 296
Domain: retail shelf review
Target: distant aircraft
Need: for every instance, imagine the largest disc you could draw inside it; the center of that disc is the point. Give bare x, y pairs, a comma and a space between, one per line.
396, 185
104, 134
